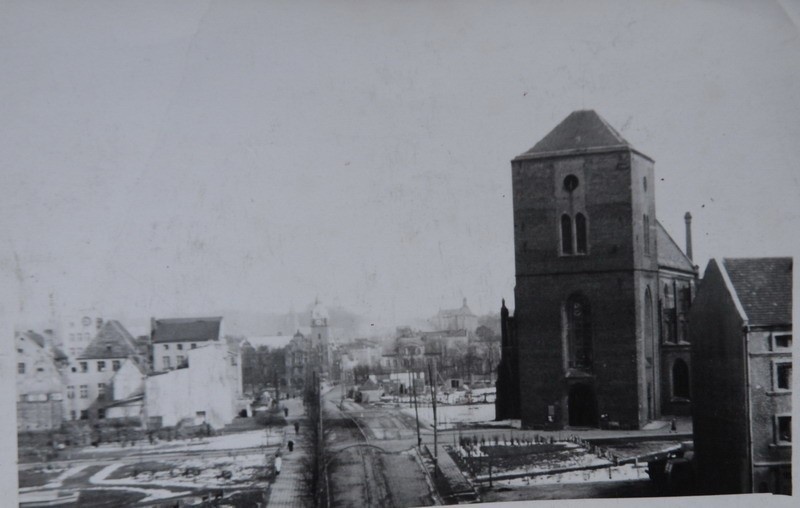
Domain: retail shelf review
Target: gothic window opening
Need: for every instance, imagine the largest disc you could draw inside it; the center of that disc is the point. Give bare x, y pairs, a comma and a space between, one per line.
646, 221
580, 233
578, 333
566, 234
680, 379
669, 315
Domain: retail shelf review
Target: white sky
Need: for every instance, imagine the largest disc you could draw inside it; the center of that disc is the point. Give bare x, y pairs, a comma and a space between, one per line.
182, 158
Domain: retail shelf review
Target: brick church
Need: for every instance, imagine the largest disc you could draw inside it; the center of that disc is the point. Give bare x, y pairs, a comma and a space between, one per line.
600, 328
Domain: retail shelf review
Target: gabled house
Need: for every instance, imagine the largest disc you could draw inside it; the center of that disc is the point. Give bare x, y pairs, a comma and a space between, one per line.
741, 330
40, 388
91, 377
172, 339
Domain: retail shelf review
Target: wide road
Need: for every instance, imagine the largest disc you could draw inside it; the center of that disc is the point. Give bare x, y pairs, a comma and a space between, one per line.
372, 456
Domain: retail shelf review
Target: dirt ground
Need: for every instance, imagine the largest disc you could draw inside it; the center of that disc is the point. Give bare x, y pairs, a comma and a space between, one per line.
623, 489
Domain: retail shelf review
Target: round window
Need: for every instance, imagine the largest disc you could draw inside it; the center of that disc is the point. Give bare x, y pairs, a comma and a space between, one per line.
570, 183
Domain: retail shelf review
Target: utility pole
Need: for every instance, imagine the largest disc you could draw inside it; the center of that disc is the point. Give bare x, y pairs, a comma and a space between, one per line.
432, 371
416, 412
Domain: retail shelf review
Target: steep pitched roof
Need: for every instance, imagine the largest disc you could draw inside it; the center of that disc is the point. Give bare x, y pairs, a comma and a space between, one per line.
464, 310
186, 329
669, 254
581, 130
764, 288
112, 341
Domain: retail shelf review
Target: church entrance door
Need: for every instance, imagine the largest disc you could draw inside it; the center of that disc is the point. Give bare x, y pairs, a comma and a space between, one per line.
582, 405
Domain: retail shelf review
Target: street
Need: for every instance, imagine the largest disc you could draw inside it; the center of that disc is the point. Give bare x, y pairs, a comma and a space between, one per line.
372, 456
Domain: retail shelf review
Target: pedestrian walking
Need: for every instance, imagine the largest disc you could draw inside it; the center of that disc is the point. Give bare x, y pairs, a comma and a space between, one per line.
296, 427
285, 411
673, 425
290, 444
278, 463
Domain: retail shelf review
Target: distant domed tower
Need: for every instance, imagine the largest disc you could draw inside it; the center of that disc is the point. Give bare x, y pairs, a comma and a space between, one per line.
320, 335
319, 324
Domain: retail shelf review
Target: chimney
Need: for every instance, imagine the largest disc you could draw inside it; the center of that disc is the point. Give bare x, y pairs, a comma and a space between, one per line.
688, 219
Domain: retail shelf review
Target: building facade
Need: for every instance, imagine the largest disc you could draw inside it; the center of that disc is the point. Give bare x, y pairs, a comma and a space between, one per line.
591, 264
40, 388
456, 319
172, 339
90, 379
742, 374
208, 390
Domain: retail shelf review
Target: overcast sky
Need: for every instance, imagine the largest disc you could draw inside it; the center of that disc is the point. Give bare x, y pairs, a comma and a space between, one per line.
182, 158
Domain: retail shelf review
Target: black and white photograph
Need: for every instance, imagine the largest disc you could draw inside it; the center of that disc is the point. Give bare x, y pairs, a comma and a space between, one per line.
383, 253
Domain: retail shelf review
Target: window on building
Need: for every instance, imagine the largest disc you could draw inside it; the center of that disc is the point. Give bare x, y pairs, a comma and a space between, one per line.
101, 413
166, 346
179, 360
578, 332
84, 366
71, 392
669, 316
782, 341
566, 234
166, 362
646, 222
84, 391
72, 415
116, 364
20, 368
680, 379
19, 350
580, 233
101, 391
101, 366
783, 376
84, 414
194, 346
180, 347
783, 429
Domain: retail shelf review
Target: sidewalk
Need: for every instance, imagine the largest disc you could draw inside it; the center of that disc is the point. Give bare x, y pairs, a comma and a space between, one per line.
287, 490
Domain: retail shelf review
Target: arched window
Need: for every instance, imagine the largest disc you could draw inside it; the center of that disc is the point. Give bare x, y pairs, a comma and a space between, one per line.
578, 322
566, 234
580, 233
680, 379
649, 345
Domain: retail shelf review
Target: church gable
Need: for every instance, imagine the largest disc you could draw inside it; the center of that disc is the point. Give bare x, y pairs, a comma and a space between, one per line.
669, 254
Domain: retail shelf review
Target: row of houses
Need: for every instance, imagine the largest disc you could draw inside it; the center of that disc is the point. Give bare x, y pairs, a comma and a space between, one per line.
160, 381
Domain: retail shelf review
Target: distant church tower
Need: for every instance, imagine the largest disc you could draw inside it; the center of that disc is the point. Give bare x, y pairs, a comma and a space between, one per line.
320, 334
586, 317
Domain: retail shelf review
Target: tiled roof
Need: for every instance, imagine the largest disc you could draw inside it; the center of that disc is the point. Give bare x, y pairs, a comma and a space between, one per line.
581, 130
670, 254
112, 341
764, 287
186, 329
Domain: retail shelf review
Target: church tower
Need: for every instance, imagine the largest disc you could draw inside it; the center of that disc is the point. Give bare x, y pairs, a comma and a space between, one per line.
586, 278
320, 335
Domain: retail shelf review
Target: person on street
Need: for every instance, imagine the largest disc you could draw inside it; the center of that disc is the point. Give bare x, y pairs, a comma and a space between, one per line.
285, 411
278, 463
296, 427
290, 444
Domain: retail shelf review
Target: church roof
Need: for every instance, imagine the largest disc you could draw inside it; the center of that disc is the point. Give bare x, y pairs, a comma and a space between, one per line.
669, 254
764, 288
112, 341
464, 310
581, 130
